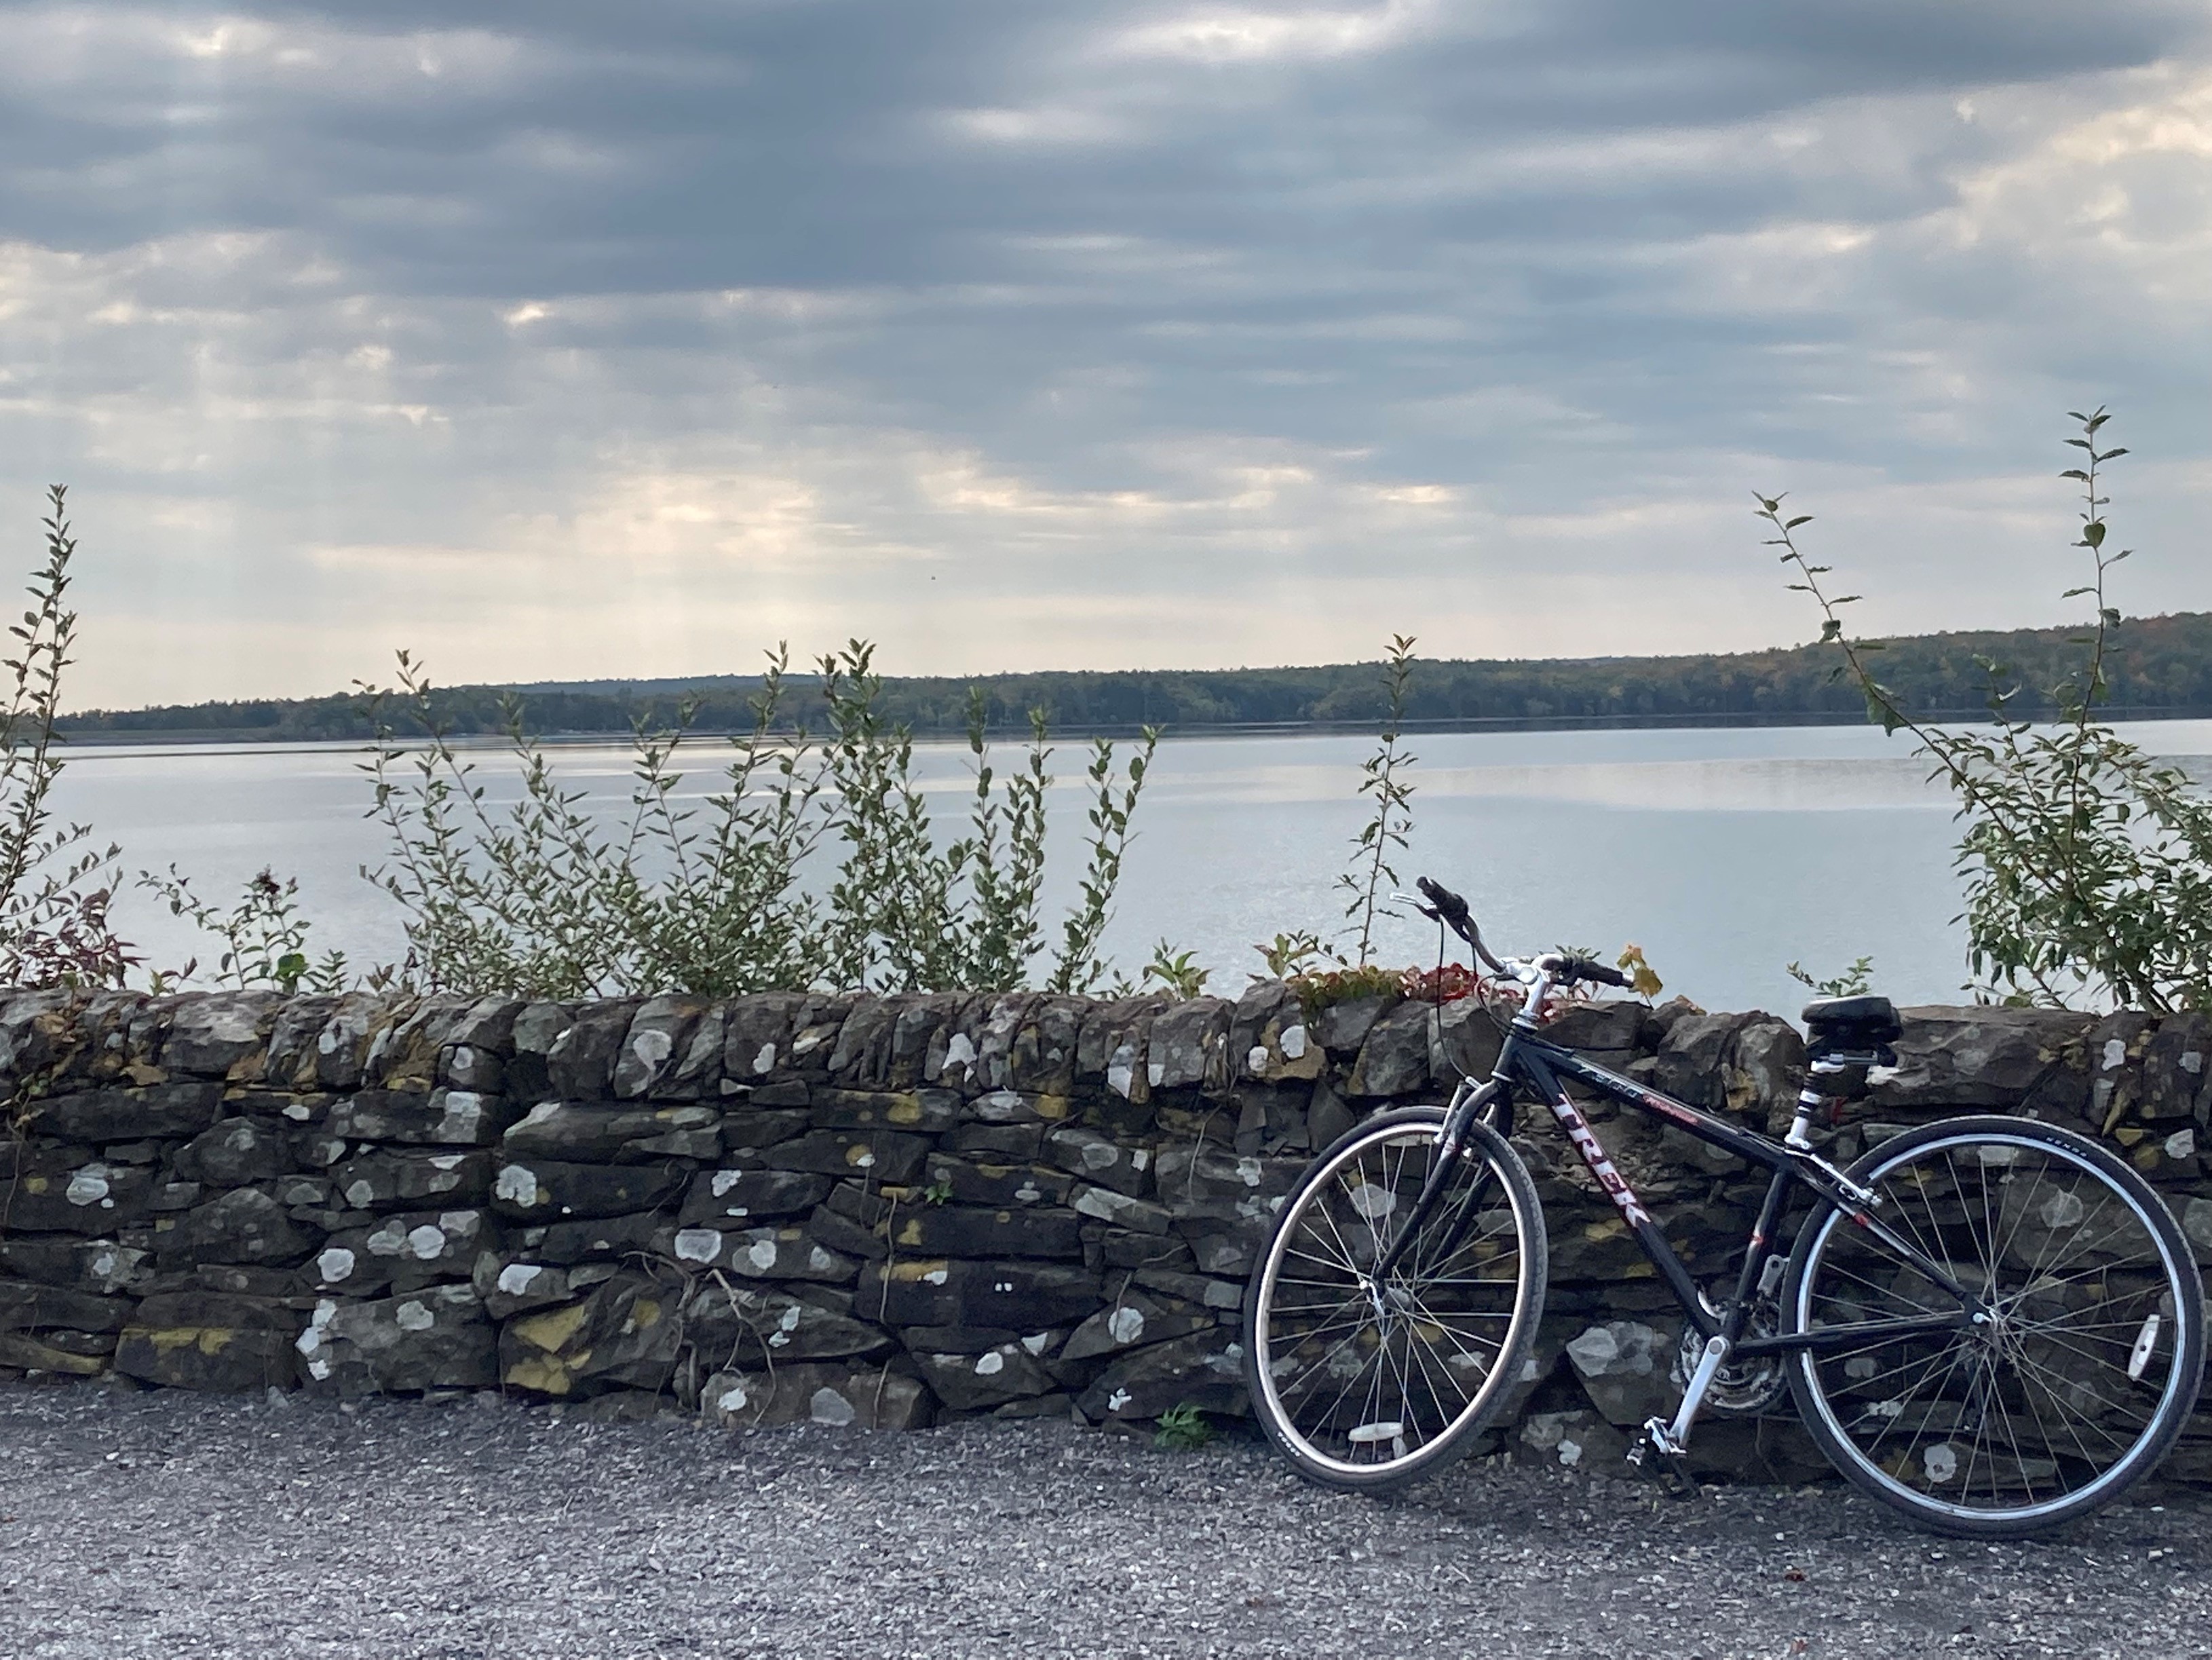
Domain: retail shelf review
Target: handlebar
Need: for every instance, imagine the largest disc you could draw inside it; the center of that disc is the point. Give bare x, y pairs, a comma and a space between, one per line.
1445, 906
1448, 907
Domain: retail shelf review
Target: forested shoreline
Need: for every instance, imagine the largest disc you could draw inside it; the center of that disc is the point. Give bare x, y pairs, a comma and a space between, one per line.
2157, 666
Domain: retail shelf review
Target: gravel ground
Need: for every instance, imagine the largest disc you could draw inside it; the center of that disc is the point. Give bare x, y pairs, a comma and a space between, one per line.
166, 1524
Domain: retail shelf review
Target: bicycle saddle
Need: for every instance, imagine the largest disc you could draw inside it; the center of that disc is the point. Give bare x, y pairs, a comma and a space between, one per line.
1852, 1026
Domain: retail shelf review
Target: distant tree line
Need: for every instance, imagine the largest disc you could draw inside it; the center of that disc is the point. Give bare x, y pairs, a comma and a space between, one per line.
2156, 665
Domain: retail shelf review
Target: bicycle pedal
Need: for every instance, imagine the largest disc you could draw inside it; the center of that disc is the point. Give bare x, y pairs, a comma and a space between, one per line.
1669, 1471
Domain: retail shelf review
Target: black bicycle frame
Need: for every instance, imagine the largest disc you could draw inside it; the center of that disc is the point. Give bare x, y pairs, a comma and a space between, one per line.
1528, 1061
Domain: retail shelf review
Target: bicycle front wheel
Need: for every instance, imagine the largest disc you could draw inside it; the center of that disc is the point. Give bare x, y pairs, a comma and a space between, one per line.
2068, 1383
1371, 1383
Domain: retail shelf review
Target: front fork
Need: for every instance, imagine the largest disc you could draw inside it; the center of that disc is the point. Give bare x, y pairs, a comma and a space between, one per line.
1453, 1143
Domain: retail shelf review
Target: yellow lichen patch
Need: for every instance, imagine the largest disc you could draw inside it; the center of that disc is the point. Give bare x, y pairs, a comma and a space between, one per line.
914, 1273
644, 1314
547, 1376
860, 1154
208, 1340
18, 1349
910, 1234
144, 1075
1612, 1228
35, 1184
1052, 1106
550, 1330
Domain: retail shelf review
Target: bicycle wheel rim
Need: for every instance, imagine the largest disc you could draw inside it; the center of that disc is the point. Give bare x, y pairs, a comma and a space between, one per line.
1455, 1310
2054, 1404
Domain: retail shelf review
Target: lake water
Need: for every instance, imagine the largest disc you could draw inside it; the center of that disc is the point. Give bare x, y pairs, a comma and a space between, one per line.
1725, 853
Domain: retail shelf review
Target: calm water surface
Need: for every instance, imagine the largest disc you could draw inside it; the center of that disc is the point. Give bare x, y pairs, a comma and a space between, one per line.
1725, 853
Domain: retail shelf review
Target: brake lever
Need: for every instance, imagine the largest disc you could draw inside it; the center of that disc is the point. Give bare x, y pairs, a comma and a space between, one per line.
1418, 904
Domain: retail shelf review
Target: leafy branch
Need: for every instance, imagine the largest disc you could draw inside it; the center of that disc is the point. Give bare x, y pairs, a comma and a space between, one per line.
2086, 864
1383, 780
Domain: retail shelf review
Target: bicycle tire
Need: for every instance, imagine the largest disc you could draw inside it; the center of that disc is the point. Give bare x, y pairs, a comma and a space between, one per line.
1361, 1441
2074, 1385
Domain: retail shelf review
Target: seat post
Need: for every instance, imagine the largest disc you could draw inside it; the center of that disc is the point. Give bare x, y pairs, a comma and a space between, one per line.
1808, 1100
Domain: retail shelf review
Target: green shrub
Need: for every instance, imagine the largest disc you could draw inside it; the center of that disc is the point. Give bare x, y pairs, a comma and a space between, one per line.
2086, 864
56, 883
546, 899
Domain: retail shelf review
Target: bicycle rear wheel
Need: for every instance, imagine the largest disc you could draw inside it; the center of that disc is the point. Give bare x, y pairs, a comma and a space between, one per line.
2076, 1380
1371, 1385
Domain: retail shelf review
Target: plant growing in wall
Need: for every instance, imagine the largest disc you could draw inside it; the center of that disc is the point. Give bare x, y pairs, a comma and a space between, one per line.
725, 896
544, 896
1390, 795
56, 883
2087, 863
263, 938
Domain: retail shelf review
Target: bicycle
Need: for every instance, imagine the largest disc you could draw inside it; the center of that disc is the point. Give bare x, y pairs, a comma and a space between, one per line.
1990, 1324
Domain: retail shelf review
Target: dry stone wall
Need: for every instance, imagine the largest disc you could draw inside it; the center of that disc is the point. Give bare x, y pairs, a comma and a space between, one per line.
877, 1211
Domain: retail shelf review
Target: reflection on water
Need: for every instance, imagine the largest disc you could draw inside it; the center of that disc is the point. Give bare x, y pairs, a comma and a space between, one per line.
1726, 854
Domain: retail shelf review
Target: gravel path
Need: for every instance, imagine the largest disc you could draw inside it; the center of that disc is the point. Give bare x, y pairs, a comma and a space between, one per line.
167, 1525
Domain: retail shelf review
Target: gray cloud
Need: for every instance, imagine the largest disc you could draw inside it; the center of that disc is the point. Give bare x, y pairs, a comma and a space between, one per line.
565, 339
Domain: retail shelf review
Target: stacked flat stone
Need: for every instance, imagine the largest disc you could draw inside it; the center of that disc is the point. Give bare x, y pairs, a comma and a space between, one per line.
873, 1210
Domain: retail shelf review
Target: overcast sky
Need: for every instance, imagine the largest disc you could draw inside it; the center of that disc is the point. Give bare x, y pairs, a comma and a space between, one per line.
565, 339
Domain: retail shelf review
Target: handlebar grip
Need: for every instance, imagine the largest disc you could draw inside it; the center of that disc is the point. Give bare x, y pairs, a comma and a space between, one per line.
1454, 912
1450, 905
1586, 969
